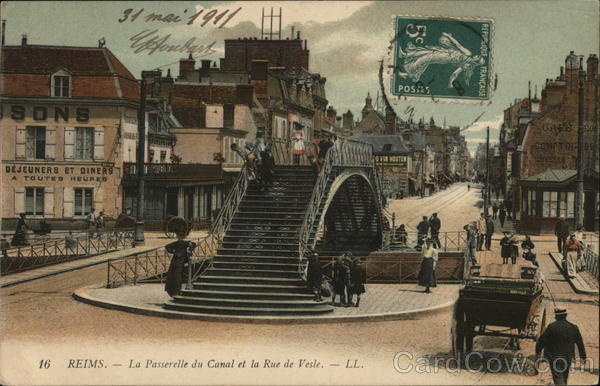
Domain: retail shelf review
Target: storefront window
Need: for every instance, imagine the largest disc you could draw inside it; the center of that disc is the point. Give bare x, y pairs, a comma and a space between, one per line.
546, 205
83, 201
570, 204
84, 143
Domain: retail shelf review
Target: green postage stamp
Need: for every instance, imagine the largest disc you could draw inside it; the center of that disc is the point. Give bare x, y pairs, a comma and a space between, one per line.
437, 57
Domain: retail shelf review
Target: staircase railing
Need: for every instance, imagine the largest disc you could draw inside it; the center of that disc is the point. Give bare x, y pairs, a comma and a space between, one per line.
207, 246
284, 155
343, 153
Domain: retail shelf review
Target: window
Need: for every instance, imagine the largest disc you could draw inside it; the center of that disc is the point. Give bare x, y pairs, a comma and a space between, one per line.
150, 156
571, 204
558, 204
546, 205
228, 114
60, 86
83, 201
36, 142
34, 201
84, 143
163, 156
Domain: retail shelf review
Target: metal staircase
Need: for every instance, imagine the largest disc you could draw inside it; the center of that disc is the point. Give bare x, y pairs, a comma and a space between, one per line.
262, 235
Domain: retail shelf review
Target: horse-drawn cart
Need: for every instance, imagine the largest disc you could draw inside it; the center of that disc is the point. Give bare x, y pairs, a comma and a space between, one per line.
505, 296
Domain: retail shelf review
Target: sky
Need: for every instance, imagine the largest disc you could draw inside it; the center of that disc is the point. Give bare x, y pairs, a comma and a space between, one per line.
346, 41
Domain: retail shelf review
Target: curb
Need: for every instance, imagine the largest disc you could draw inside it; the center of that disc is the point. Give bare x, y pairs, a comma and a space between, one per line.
557, 258
86, 265
82, 296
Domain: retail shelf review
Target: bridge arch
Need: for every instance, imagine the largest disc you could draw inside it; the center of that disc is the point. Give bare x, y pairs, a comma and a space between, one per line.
351, 217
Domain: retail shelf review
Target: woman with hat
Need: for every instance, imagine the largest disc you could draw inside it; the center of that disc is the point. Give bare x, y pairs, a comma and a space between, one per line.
427, 273
506, 249
181, 251
20, 236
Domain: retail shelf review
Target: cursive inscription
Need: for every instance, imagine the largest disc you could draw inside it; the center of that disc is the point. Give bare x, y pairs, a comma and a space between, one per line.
150, 41
213, 16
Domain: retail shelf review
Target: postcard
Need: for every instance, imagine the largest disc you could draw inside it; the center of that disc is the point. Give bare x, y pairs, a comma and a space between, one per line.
299, 192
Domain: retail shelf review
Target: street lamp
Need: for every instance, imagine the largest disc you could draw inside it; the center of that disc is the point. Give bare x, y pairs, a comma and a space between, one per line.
580, 177
141, 153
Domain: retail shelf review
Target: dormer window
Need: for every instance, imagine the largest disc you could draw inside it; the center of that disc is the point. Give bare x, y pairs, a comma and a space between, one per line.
61, 84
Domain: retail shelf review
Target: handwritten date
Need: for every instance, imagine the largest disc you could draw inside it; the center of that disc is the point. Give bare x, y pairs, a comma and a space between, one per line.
211, 16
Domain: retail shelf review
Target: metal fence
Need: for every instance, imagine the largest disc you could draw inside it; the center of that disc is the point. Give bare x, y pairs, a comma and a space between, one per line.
448, 241
18, 259
590, 256
290, 152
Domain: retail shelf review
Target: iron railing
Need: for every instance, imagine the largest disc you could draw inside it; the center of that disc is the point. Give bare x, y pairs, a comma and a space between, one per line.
590, 257
18, 259
449, 241
343, 153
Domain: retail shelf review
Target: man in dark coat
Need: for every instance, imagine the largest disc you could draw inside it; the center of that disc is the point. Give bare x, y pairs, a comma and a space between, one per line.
558, 341
314, 275
506, 247
502, 215
422, 229
489, 231
359, 277
434, 227
494, 211
561, 230
341, 280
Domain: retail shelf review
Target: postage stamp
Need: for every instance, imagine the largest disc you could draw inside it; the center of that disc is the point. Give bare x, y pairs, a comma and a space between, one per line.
442, 58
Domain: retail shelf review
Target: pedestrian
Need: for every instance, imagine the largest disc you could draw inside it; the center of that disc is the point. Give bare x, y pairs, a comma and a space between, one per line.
428, 264
579, 236
341, 280
267, 167
480, 224
401, 235
90, 221
248, 158
314, 275
489, 231
558, 341
70, 241
99, 221
509, 207
573, 250
358, 280
528, 246
561, 230
502, 215
495, 211
506, 247
468, 187
471, 240
422, 229
324, 146
434, 226
298, 146
20, 236
181, 250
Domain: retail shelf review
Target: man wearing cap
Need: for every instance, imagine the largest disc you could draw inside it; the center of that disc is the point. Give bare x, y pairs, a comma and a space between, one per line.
422, 229
557, 341
561, 230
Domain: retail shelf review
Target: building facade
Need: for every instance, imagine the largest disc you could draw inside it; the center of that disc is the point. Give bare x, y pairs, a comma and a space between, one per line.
63, 117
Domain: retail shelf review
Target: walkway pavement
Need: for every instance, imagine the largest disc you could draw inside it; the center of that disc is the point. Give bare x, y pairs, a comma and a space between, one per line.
381, 301
153, 240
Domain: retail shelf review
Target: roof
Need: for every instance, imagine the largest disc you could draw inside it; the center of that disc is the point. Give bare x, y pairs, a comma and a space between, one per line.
380, 140
557, 176
373, 122
32, 59
35, 63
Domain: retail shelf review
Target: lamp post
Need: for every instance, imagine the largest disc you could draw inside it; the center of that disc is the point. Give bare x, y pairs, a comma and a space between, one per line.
139, 223
579, 184
486, 197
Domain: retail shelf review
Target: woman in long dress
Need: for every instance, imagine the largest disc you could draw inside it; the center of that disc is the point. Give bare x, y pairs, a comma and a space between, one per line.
181, 251
20, 236
298, 146
428, 265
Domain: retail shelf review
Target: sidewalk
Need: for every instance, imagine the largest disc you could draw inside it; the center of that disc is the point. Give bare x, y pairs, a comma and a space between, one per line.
153, 240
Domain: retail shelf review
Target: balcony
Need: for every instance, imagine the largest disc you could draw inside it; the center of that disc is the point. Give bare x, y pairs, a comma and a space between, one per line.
174, 172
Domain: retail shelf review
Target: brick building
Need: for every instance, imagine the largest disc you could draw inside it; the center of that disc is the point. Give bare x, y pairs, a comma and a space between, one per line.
548, 141
65, 112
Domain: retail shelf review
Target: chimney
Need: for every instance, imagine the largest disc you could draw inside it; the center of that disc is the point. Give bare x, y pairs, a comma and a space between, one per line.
562, 73
259, 69
186, 66
23, 40
331, 114
592, 67
298, 35
244, 94
3, 31
204, 69
292, 32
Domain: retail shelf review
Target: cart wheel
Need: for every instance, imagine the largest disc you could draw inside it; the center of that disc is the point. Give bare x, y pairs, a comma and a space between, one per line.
542, 325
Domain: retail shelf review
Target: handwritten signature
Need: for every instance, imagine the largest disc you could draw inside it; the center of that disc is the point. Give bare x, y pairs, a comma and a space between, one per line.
151, 41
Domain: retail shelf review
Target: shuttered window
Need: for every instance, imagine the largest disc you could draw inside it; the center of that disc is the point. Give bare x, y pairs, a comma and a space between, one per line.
35, 146
84, 143
34, 201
